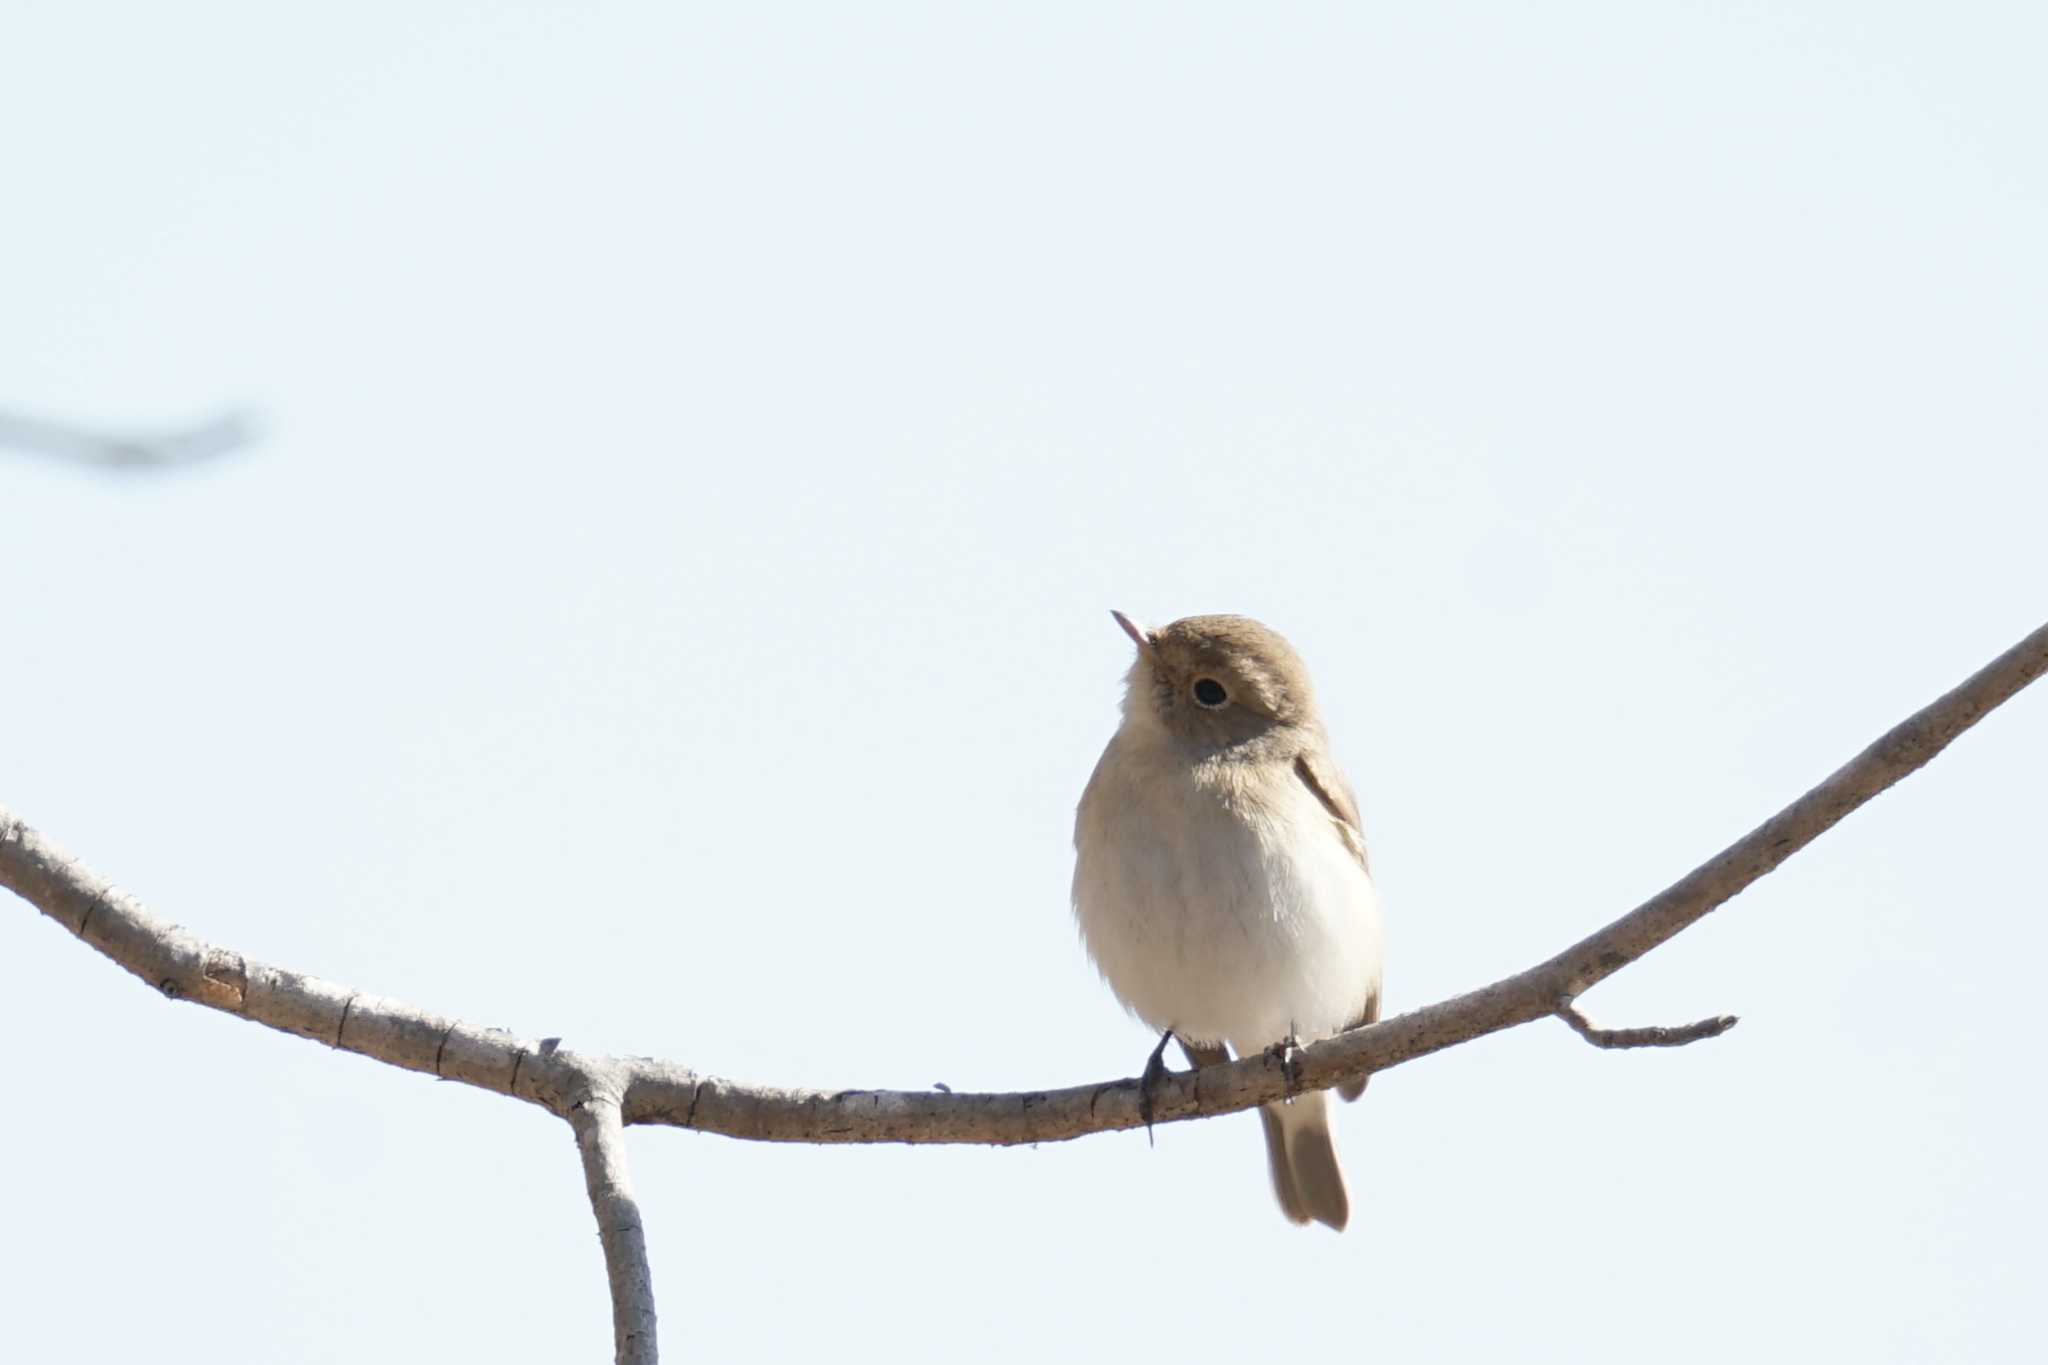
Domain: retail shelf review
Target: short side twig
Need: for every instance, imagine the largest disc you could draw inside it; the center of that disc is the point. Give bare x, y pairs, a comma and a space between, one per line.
1654, 1035
601, 1137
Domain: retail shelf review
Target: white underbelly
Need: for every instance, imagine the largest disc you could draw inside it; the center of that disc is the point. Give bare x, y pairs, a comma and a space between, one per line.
1238, 922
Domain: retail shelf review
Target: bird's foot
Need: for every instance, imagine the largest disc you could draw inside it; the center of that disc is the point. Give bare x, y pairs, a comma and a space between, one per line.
1155, 1072
1287, 1052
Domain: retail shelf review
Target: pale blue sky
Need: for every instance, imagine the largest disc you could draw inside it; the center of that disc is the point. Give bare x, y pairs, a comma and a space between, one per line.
669, 610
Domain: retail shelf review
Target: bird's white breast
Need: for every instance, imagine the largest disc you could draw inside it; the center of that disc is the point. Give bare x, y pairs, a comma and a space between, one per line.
1220, 900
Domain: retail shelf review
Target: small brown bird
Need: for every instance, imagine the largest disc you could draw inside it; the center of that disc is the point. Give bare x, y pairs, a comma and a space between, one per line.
1221, 881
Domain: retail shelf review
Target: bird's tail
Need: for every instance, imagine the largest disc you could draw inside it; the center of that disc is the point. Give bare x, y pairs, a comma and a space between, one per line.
1306, 1177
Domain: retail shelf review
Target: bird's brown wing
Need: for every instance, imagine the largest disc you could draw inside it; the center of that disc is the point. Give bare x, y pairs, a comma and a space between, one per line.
1334, 792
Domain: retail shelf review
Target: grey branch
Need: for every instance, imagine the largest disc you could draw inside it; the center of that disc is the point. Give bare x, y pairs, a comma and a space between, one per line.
149, 450
601, 1137
1655, 1035
183, 966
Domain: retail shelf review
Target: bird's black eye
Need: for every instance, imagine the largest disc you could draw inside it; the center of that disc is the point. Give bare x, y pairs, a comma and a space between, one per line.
1210, 693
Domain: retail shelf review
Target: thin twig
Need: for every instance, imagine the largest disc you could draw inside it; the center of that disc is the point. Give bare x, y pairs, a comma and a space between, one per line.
1653, 1035
640, 1090
660, 1092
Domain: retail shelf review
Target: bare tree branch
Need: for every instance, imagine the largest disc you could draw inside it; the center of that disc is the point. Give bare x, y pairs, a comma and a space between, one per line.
599, 1094
216, 436
601, 1137
1655, 1035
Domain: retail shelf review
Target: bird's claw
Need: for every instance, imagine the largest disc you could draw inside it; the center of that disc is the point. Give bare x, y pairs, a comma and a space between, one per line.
1155, 1072
1287, 1052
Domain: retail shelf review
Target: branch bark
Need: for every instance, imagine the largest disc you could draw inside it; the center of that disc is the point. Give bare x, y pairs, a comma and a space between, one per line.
598, 1095
601, 1138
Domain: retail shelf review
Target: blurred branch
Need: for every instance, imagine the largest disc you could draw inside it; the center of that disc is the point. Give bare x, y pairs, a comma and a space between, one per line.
154, 450
599, 1094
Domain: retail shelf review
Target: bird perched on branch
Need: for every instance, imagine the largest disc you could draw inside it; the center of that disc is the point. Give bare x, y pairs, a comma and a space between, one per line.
1221, 881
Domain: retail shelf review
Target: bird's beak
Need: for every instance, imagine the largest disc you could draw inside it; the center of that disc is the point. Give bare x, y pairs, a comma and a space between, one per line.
1135, 631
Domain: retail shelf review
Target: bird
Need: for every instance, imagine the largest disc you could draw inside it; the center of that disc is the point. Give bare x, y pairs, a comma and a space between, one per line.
1221, 883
